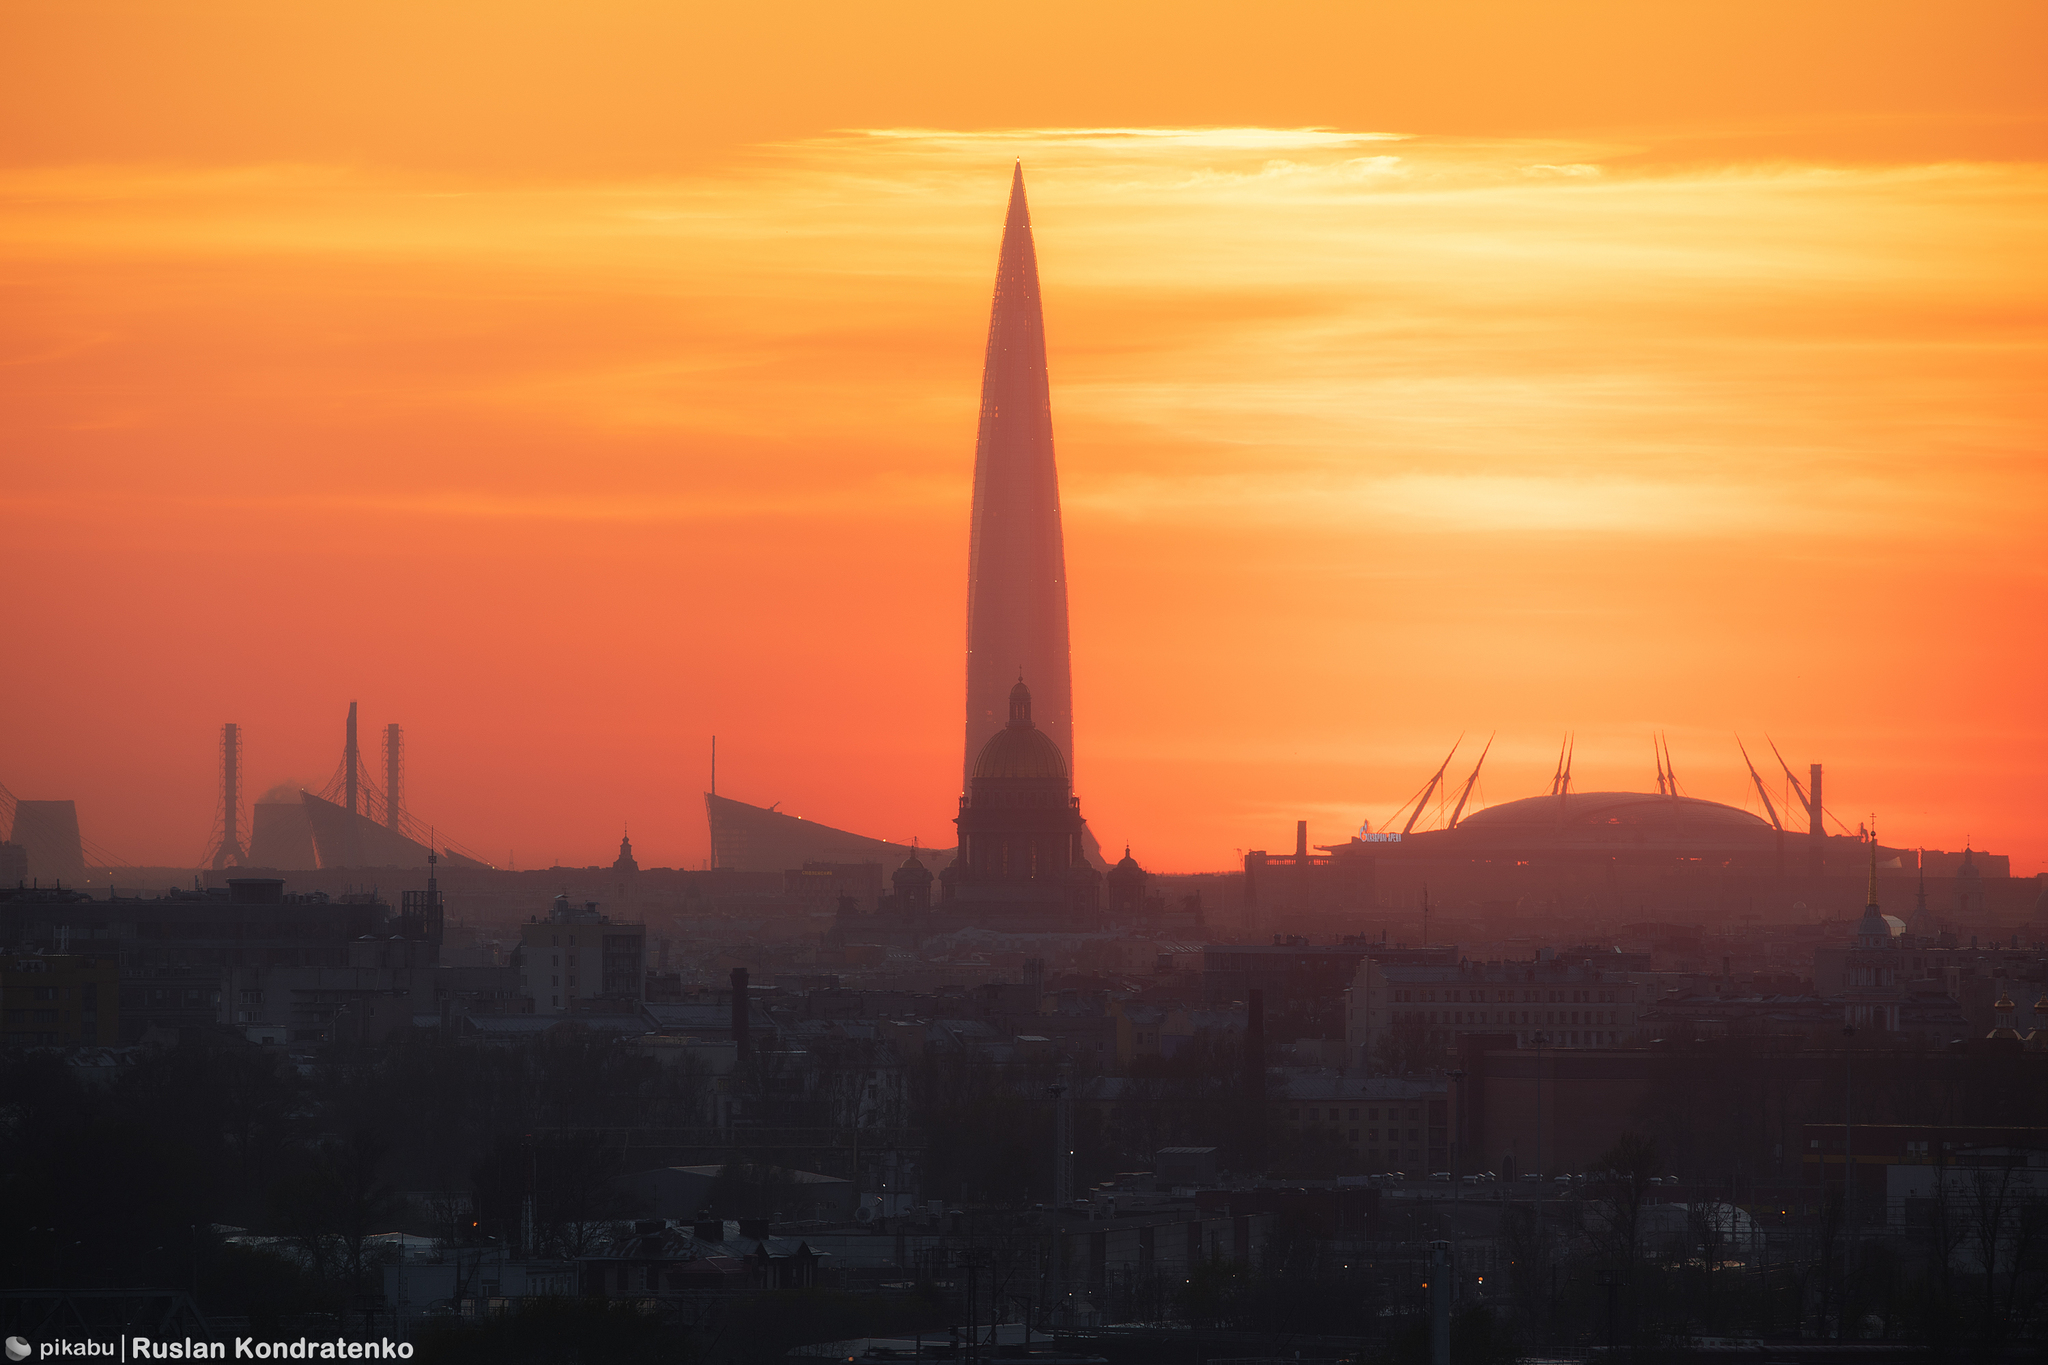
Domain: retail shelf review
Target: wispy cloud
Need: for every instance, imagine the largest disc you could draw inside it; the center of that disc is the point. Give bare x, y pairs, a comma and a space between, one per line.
1493, 335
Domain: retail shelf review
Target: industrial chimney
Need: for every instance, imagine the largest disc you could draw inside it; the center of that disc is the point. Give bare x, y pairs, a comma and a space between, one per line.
1816, 826
1254, 1097
1255, 1048
350, 759
742, 1039
394, 775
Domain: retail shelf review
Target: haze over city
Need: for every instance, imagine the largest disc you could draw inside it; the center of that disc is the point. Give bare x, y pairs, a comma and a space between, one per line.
1622, 375
1055, 685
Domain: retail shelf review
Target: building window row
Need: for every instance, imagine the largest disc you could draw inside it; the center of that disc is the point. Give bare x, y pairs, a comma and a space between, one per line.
1372, 1115
1503, 997
1552, 1018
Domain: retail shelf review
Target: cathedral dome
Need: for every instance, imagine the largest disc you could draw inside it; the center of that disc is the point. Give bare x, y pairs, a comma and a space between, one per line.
1020, 751
1013, 754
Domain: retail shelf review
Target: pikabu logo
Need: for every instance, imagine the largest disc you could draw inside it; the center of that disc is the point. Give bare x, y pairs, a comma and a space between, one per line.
18, 1349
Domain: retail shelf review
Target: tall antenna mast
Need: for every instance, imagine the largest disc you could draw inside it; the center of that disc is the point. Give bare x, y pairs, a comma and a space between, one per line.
714, 765
230, 850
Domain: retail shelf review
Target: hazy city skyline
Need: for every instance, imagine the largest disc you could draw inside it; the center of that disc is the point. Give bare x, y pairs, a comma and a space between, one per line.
1495, 813
1562, 417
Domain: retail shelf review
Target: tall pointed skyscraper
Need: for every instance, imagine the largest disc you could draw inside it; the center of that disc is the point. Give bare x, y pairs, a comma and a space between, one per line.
1016, 558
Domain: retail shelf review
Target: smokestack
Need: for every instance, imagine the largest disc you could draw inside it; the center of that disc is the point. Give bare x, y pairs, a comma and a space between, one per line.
394, 775
231, 798
349, 758
741, 1037
1301, 838
1255, 1048
1816, 826
1439, 1303
1254, 1097
1062, 1137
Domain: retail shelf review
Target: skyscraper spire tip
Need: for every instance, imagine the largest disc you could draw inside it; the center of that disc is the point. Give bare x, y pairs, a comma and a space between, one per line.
1016, 577
1020, 212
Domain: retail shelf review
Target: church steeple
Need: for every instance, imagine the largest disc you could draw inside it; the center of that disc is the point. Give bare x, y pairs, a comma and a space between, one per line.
1873, 930
1020, 703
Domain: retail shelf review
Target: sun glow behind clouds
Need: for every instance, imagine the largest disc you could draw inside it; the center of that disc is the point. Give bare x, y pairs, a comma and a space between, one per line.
1531, 382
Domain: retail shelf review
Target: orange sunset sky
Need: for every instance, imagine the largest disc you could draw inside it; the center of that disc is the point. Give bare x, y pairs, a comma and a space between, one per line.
572, 382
